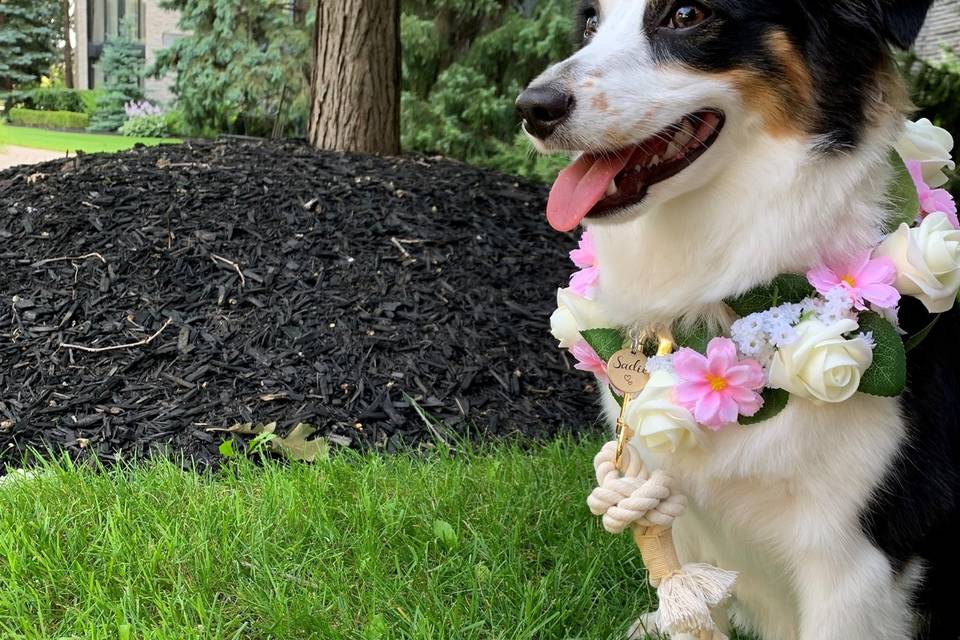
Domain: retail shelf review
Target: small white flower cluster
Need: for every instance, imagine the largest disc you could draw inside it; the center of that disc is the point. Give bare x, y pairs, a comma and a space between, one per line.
760, 334
837, 305
659, 363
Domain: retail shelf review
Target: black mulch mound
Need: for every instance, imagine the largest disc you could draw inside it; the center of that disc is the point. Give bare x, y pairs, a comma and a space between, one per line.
267, 282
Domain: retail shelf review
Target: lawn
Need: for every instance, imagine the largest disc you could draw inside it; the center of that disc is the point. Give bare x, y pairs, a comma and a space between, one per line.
71, 141
495, 543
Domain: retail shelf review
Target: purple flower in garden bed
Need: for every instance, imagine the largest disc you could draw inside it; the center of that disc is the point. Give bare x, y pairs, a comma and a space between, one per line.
136, 109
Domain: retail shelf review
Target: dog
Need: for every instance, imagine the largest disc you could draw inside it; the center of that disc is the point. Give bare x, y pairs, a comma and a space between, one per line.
724, 142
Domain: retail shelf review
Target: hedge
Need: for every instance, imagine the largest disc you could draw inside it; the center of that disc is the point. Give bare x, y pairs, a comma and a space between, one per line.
54, 99
49, 119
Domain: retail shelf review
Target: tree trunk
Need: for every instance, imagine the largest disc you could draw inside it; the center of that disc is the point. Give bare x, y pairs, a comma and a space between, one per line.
68, 70
355, 92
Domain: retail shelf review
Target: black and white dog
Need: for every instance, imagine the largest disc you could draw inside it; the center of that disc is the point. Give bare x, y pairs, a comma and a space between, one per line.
766, 127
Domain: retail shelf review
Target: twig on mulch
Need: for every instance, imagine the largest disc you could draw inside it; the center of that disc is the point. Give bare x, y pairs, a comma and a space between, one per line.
406, 254
132, 345
71, 258
215, 258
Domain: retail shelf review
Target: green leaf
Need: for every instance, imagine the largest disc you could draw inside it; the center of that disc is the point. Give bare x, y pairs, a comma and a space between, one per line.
605, 342
774, 401
696, 336
788, 287
914, 341
887, 376
261, 441
444, 533
226, 449
902, 195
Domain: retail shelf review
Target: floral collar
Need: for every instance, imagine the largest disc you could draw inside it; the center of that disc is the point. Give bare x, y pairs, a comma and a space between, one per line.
822, 336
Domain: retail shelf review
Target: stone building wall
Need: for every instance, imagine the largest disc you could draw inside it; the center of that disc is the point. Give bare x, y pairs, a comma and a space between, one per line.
941, 28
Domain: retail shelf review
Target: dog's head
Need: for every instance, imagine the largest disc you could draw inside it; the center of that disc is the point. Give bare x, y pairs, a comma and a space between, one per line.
658, 86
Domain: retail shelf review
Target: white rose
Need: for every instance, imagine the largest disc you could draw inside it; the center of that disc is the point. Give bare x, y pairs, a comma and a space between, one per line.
660, 425
574, 314
564, 328
930, 145
928, 261
821, 364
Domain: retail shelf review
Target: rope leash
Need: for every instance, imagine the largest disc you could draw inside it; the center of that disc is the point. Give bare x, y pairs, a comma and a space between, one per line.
629, 496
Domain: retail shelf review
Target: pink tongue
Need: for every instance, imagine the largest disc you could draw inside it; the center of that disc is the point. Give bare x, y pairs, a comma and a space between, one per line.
580, 187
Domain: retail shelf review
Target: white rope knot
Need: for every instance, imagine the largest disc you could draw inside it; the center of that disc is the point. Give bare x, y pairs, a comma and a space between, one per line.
629, 496
633, 496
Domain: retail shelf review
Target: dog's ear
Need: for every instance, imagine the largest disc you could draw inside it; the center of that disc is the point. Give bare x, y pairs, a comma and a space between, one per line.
902, 20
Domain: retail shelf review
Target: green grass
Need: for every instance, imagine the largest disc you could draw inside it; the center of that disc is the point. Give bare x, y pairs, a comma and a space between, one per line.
71, 141
491, 544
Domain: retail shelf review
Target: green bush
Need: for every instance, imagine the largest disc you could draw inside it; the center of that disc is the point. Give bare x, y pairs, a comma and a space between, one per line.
89, 98
935, 88
239, 58
49, 119
145, 127
53, 99
464, 62
176, 124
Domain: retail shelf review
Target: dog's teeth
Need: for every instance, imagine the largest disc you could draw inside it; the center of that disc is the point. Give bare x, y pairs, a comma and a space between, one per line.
673, 150
655, 161
612, 188
685, 135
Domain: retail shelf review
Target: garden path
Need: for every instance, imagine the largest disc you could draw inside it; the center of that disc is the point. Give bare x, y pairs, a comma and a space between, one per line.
11, 156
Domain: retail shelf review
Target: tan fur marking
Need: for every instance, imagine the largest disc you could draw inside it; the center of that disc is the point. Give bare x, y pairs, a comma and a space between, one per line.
761, 96
793, 65
784, 106
599, 102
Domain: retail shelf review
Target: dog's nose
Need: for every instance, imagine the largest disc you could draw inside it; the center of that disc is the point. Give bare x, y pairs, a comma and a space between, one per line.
543, 109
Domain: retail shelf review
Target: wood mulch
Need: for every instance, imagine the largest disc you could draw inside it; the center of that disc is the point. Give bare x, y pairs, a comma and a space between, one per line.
150, 296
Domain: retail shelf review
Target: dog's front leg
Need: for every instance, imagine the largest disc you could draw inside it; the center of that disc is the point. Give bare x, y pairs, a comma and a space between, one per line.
851, 594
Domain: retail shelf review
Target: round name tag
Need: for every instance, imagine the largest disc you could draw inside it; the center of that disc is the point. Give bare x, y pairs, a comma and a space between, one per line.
626, 371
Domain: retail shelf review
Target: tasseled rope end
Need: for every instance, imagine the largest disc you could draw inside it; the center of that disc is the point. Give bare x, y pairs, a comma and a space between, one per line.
687, 593
687, 597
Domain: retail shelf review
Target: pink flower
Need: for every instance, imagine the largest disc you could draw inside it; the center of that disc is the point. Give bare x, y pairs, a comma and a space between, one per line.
865, 279
588, 360
717, 387
584, 281
932, 200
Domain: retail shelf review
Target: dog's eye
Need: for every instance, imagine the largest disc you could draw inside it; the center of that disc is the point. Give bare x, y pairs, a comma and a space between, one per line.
686, 15
592, 24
